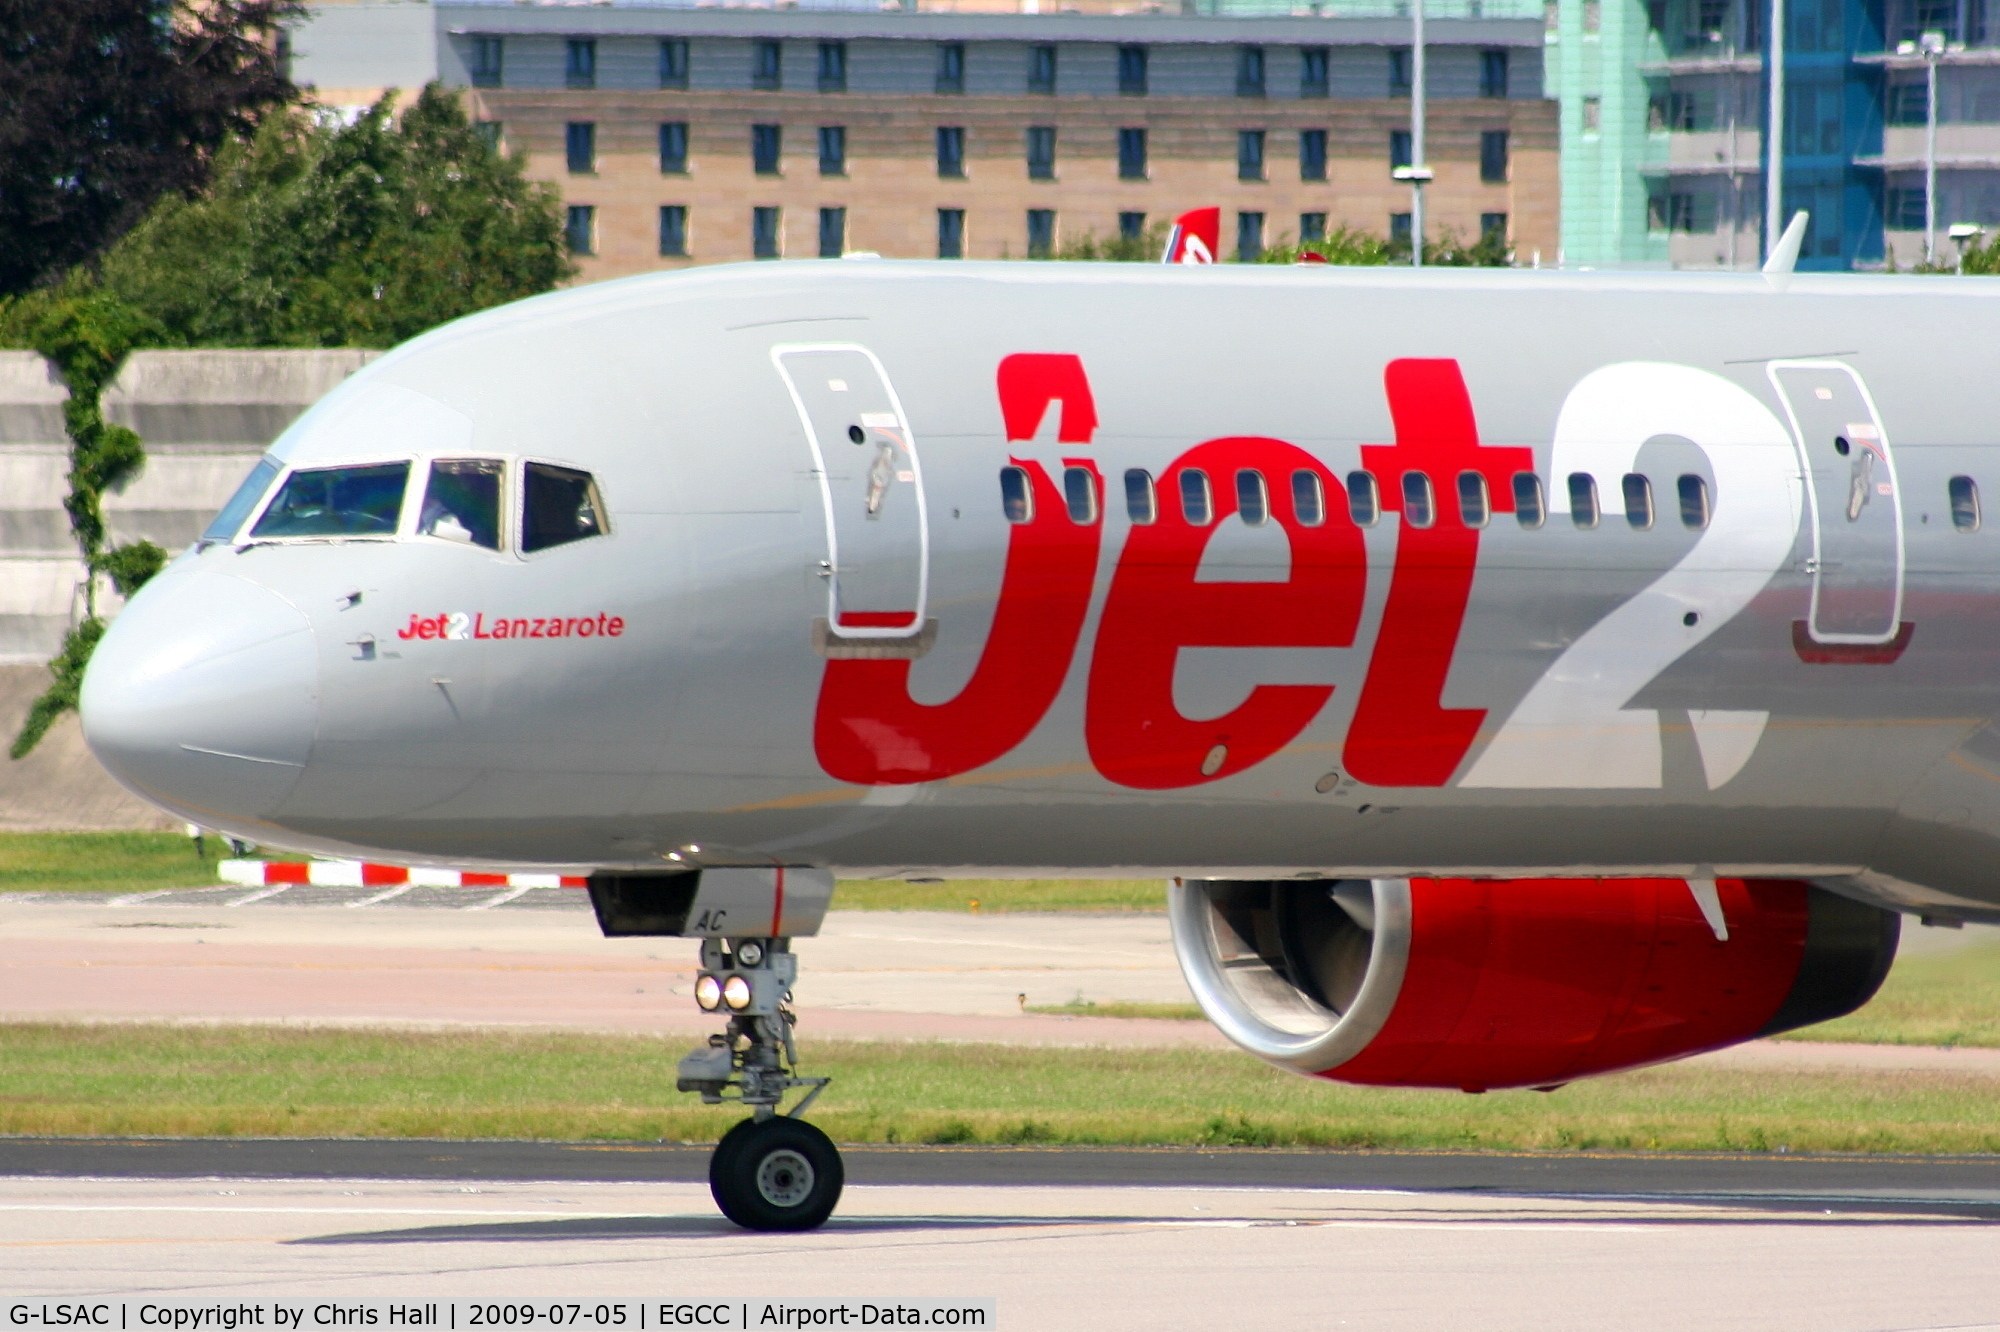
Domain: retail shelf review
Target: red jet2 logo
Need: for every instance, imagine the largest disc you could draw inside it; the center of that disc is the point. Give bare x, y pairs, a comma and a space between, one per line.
868, 729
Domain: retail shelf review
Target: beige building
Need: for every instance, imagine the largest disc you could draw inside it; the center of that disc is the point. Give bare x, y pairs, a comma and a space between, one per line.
682, 136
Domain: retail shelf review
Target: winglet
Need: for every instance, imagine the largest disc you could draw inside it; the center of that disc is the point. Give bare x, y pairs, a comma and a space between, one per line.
1785, 254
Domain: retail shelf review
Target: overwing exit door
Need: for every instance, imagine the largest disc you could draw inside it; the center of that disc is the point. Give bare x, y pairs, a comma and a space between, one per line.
877, 540
1854, 500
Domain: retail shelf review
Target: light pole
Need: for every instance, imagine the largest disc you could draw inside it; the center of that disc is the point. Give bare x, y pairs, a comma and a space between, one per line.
1417, 172
1774, 135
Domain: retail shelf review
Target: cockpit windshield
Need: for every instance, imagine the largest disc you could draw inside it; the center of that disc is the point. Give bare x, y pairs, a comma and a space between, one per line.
338, 502
462, 502
244, 500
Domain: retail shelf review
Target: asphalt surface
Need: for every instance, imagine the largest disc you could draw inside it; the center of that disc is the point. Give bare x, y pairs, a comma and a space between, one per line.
1966, 1187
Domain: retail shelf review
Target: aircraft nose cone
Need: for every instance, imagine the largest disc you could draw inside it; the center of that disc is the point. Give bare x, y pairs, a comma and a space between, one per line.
203, 697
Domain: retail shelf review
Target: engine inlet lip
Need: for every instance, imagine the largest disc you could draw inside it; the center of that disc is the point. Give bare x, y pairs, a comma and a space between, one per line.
1195, 945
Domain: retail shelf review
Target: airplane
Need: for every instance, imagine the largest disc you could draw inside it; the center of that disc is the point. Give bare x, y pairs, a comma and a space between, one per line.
1515, 676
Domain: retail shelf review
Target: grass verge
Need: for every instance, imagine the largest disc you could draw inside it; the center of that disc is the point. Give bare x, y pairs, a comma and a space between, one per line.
211, 1081
112, 862
1121, 1008
1002, 895
1941, 999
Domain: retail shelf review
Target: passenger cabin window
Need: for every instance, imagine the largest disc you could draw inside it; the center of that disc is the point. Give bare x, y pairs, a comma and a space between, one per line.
338, 502
1017, 498
559, 505
1473, 506
244, 500
462, 502
1140, 505
1080, 494
1529, 510
1308, 499
1965, 504
1364, 501
1583, 499
1419, 508
1253, 498
1694, 502
1197, 503
1638, 502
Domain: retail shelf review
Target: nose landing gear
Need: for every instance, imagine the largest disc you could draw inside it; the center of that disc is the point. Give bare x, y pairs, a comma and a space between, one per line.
772, 1171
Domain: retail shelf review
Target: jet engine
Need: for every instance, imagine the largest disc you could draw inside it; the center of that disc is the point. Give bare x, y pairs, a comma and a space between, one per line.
1478, 983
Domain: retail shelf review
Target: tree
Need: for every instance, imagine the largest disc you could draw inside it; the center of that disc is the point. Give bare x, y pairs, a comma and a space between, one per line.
112, 104
318, 234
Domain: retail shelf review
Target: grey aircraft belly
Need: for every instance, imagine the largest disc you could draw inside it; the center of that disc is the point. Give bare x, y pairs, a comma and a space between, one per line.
1232, 574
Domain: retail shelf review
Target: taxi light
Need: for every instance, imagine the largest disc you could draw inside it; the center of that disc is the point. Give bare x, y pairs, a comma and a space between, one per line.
708, 993
736, 993
749, 953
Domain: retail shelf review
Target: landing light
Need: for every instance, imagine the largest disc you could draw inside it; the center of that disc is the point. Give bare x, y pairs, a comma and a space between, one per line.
708, 993
736, 993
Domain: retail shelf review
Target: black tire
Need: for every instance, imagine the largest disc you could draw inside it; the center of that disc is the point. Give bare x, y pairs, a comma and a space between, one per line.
776, 1174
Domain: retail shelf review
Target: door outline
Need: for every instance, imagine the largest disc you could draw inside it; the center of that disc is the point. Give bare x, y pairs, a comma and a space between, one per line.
1812, 497
916, 625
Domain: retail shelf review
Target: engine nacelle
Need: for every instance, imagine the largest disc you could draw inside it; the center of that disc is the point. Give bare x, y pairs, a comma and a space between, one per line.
1478, 983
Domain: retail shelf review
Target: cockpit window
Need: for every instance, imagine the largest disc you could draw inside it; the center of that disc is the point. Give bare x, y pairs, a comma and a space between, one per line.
337, 501
559, 505
462, 502
244, 500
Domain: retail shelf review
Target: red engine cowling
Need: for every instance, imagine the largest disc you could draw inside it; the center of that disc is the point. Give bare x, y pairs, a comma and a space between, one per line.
1478, 983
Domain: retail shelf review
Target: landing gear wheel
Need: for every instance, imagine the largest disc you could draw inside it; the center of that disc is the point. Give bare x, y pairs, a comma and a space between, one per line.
776, 1174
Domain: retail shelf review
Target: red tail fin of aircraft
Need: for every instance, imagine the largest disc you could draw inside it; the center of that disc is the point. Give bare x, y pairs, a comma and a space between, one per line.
1196, 237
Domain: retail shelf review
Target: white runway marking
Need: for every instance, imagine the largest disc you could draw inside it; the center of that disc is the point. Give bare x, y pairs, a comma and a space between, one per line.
259, 895
386, 895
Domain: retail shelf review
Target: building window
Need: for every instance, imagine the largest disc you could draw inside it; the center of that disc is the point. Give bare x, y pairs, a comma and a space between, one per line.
832, 150
1041, 232
580, 229
832, 232
1131, 226
833, 66
764, 233
1249, 71
951, 152
1041, 69
1312, 154
1593, 16
1399, 149
1399, 228
1593, 114
490, 133
1131, 154
1249, 237
1493, 156
766, 144
1250, 154
767, 65
1313, 71
951, 233
673, 64
1909, 104
1041, 152
1493, 73
487, 54
580, 146
951, 67
1399, 71
580, 69
1312, 226
673, 147
674, 231
1493, 227
1904, 210
1132, 70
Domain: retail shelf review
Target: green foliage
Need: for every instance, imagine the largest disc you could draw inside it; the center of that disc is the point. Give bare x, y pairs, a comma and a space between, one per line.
62, 695
130, 566
1343, 245
1147, 247
1982, 258
315, 234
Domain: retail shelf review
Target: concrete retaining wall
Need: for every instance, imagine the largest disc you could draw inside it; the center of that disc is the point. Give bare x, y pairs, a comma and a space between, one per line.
205, 416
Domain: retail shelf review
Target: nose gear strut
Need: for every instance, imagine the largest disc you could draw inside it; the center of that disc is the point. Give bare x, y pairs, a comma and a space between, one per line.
772, 1171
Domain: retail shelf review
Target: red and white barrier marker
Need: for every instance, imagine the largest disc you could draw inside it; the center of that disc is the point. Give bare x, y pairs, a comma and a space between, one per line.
363, 874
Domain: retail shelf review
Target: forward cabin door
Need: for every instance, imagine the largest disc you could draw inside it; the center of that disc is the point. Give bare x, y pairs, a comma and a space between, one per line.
877, 540
1853, 498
